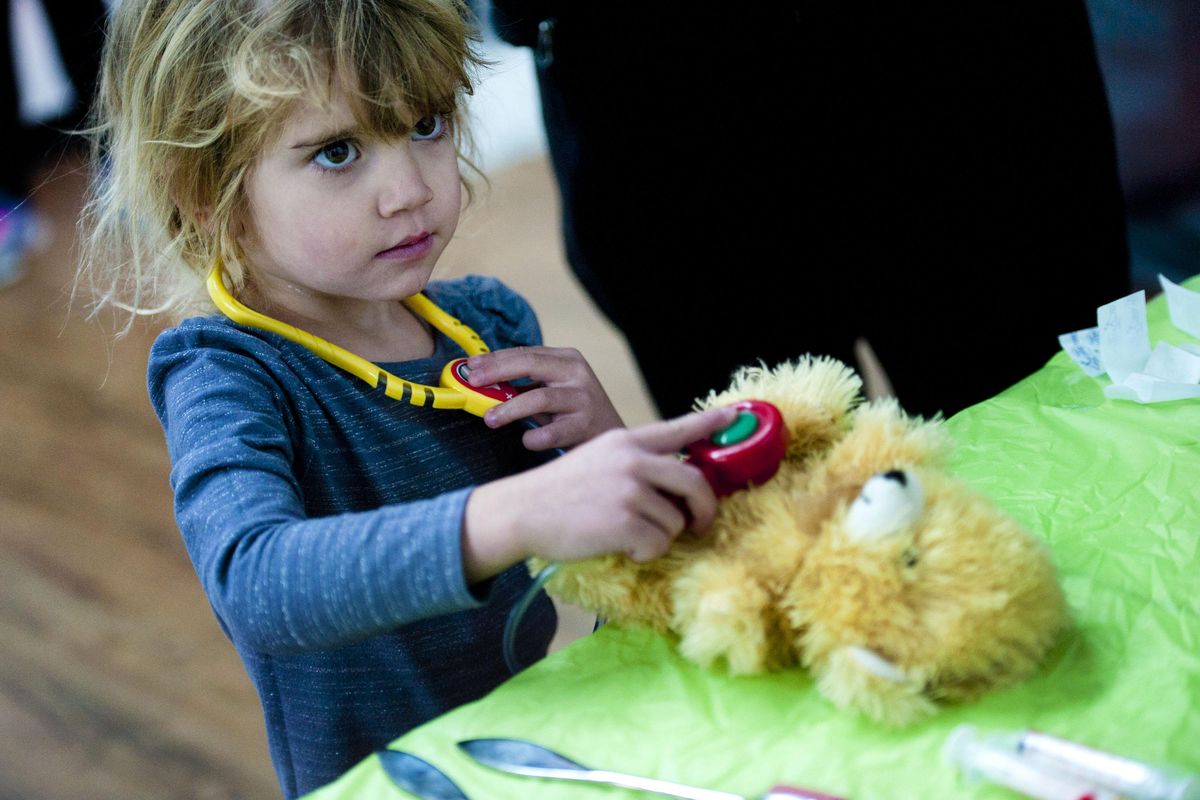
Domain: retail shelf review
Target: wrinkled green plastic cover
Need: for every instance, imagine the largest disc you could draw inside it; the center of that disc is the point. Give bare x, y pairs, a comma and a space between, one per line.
1112, 486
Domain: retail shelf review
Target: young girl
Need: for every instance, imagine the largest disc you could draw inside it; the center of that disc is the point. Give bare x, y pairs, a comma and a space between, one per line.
361, 553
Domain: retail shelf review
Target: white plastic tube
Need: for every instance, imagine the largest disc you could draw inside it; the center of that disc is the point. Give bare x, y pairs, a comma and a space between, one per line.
1126, 777
998, 761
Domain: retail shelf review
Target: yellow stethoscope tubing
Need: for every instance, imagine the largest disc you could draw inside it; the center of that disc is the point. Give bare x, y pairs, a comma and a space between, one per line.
417, 394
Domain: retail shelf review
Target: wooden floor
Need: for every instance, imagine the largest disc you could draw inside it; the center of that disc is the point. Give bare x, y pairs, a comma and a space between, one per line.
115, 681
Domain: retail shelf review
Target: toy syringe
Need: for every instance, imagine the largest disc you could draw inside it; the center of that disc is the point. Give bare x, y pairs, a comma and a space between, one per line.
1047, 767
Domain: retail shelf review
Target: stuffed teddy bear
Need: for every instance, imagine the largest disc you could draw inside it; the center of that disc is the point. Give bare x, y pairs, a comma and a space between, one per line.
895, 584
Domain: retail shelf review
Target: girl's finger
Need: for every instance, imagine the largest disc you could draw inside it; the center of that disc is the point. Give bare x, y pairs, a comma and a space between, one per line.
650, 542
560, 433
489, 368
532, 403
664, 514
687, 489
672, 435
540, 364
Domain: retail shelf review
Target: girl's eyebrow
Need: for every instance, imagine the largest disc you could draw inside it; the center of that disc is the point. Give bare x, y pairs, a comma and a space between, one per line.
323, 137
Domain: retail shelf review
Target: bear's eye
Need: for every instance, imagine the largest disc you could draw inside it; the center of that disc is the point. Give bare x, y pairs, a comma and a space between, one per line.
910, 557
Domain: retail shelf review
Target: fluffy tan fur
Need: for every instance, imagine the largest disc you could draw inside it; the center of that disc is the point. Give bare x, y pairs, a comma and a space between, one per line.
941, 607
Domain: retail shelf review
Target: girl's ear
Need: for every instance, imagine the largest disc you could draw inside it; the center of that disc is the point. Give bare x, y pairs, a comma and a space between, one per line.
184, 214
202, 217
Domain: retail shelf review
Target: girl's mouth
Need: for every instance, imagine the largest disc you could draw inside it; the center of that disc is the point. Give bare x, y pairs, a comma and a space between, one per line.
409, 248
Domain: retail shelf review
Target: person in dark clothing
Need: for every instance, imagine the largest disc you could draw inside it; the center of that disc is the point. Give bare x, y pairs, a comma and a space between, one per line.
75, 38
786, 178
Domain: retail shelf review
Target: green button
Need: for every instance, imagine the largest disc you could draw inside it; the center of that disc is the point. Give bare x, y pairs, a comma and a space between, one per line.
740, 430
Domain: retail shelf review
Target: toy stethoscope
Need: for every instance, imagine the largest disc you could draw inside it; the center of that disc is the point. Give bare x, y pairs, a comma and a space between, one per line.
453, 393
746, 452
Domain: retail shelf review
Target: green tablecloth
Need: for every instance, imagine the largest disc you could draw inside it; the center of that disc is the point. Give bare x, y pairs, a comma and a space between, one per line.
1113, 486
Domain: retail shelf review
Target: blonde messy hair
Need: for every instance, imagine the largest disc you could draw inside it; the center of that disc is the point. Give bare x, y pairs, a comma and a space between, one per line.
191, 91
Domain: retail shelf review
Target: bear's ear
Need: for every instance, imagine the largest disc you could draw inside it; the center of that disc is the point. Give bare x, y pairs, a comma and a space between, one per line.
888, 503
859, 678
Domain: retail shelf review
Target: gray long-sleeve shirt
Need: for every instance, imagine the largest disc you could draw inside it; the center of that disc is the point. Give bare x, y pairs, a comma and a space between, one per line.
324, 521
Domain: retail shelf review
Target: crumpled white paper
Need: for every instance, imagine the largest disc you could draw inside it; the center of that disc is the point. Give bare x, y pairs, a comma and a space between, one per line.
1119, 346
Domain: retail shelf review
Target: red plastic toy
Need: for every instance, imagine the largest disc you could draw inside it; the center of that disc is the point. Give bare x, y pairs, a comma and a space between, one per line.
745, 453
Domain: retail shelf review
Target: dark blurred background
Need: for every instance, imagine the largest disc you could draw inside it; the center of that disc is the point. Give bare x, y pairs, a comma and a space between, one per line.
1149, 51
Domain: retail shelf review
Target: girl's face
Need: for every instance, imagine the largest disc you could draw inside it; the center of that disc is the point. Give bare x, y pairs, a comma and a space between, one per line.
335, 216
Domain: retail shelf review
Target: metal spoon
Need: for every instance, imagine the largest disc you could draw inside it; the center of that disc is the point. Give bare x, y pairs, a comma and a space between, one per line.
418, 777
520, 757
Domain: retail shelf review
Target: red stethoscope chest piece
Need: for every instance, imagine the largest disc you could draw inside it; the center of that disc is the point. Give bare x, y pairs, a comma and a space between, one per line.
479, 398
745, 453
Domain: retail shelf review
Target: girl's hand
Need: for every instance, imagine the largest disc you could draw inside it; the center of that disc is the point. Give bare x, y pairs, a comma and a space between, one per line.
568, 401
619, 493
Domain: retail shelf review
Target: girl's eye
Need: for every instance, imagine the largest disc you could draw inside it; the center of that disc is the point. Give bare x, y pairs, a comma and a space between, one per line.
336, 155
431, 127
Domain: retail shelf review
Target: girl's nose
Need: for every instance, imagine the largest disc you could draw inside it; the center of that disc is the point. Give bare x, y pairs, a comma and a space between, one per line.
403, 186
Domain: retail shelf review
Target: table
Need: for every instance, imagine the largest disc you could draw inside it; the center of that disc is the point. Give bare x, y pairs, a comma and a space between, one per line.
1113, 487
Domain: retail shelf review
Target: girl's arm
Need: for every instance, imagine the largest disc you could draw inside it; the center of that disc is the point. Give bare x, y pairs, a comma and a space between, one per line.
622, 492
278, 580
